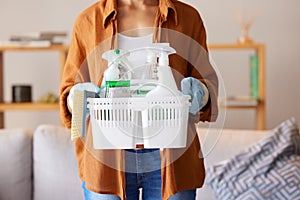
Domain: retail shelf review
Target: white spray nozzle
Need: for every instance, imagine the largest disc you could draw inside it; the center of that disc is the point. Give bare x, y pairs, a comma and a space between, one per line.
118, 56
163, 50
163, 59
162, 47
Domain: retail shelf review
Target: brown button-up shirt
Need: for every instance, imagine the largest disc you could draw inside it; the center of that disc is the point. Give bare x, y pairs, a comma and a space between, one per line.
95, 31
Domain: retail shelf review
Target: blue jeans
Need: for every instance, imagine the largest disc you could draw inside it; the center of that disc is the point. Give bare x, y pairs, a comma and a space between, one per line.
89, 195
142, 172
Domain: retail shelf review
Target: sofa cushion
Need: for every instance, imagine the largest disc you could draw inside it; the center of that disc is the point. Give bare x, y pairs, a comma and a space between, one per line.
55, 165
268, 169
221, 144
16, 164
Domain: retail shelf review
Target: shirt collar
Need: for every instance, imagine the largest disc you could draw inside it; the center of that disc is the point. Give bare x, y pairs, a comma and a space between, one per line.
165, 6
110, 10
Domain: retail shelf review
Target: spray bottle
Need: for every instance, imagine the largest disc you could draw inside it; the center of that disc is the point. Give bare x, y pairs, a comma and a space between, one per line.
149, 76
117, 59
112, 72
117, 76
151, 62
166, 83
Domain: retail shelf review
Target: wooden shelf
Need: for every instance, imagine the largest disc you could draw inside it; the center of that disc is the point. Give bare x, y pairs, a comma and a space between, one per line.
32, 48
248, 102
238, 107
235, 46
28, 106
239, 102
35, 106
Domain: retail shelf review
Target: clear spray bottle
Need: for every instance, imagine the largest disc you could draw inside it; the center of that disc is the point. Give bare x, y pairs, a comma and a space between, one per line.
117, 76
166, 85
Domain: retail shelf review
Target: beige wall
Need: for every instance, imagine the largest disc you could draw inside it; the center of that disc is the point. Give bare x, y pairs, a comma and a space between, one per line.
277, 24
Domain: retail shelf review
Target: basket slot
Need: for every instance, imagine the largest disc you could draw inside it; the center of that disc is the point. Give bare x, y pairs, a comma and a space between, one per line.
111, 114
106, 115
102, 114
173, 113
165, 116
169, 116
156, 114
120, 115
116, 115
125, 115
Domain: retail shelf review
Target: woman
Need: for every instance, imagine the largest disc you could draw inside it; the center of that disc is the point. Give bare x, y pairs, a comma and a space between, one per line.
111, 24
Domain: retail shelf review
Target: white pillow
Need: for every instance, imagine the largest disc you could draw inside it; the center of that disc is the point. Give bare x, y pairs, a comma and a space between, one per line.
16, 164
55, 165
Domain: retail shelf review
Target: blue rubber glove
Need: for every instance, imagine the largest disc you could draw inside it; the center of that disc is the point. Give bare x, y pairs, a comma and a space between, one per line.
88, 86
197, 91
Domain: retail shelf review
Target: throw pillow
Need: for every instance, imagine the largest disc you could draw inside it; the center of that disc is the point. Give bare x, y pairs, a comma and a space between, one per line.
55, 165
269, 169
16, 164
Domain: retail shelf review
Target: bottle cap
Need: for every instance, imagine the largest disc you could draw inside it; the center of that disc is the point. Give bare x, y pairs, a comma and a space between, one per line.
117, 51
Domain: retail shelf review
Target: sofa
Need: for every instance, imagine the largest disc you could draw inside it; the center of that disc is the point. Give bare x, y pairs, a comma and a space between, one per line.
41, 165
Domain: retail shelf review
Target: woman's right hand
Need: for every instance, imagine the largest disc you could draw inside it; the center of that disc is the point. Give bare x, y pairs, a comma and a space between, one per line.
88, 86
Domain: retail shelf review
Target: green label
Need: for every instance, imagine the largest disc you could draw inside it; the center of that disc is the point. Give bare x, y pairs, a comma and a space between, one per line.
120, 83
254, 76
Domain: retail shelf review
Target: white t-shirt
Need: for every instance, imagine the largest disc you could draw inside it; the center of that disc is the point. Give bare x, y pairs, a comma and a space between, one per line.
137, 58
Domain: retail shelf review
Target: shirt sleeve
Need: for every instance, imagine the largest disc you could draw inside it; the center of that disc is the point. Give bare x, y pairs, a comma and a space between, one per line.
75, 60
201, 68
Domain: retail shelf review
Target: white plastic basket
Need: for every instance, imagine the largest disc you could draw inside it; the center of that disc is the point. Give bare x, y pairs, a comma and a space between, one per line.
123, 123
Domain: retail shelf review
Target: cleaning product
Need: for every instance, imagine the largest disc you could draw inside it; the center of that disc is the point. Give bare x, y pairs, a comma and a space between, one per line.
117, 88
166, 85
149, 76
119, 57
116, 76
151, 66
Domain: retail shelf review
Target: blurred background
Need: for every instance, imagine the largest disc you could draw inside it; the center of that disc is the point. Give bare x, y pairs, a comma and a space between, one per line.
276, 24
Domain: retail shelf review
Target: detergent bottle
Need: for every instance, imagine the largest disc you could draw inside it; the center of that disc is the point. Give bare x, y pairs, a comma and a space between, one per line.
115, 82
149, 75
